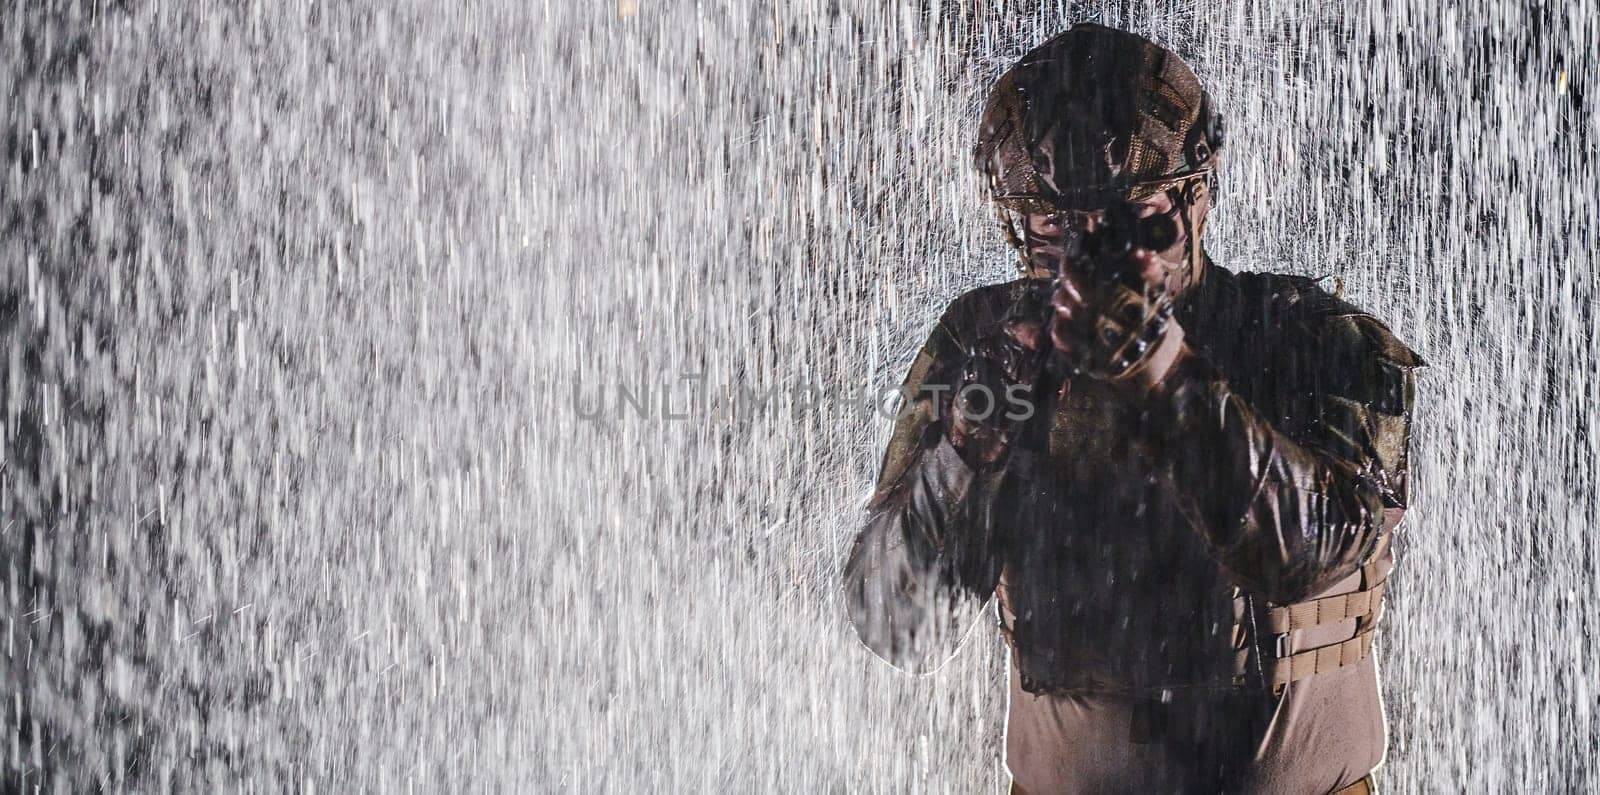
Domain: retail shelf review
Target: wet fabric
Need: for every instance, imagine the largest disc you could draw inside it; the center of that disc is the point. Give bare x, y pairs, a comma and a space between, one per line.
1090, 115
1139, 544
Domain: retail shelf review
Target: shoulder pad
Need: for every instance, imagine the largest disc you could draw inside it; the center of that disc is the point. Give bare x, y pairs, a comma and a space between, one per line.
1318, 309
1384, 341
1379, 373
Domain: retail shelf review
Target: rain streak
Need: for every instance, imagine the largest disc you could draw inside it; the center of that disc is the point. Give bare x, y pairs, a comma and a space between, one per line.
407, 396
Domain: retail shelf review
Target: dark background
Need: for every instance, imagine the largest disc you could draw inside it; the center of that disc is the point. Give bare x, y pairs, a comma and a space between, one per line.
298, 301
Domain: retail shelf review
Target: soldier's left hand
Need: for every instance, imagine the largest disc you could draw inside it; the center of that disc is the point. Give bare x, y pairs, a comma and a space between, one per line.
1117, 329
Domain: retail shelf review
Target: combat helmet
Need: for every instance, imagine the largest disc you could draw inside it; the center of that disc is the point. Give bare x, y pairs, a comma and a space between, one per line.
1093, 116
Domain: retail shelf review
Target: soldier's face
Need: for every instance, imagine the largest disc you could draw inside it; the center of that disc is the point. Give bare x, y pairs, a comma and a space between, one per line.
1051, 237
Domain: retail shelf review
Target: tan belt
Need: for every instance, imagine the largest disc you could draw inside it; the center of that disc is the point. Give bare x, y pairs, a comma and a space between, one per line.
1320, 660
1327, 610
1363, 605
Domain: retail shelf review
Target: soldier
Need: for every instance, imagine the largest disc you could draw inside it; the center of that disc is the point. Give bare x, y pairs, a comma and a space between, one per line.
1189, 528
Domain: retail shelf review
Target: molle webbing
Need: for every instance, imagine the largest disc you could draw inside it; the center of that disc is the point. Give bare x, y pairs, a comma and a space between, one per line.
1327, 610
1287, 666
1283, 670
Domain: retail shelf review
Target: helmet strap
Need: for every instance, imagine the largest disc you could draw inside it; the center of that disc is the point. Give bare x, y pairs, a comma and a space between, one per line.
1009, 229
1187, 196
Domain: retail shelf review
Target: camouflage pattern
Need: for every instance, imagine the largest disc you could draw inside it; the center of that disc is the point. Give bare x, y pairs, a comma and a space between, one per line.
1138, 545
1092, 115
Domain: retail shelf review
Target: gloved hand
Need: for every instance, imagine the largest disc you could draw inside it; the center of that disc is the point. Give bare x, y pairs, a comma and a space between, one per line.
993, 393
1112, 316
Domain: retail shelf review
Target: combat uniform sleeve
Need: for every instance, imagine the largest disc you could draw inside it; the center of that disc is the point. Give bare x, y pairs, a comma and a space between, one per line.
1295, 498
923, 563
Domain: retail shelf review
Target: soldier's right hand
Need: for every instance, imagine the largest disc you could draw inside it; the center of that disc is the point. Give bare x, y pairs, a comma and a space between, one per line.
993, 391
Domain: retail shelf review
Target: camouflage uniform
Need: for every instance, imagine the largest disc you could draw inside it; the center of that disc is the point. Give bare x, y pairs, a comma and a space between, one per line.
1188, 579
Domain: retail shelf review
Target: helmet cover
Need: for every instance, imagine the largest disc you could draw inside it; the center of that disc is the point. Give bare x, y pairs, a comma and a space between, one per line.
1092, 116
